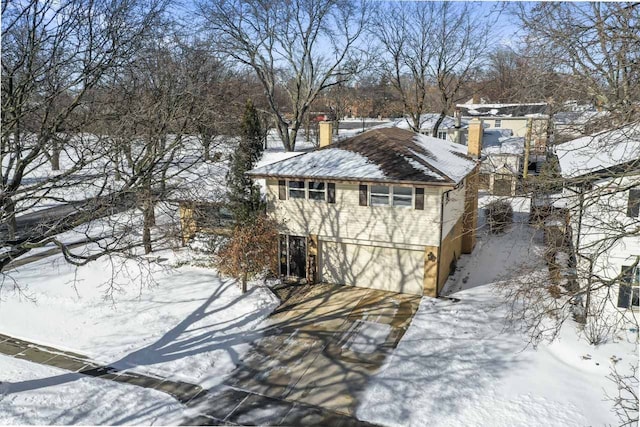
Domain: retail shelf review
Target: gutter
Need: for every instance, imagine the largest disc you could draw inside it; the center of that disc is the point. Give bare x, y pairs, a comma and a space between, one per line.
356, 180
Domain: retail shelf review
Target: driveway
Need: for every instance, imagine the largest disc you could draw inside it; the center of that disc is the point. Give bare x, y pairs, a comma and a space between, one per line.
321, 346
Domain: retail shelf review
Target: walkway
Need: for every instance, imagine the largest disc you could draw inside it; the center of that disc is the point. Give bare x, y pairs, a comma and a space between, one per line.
229, 407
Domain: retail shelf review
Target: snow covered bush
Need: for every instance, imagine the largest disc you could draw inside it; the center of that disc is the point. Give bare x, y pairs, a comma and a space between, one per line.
499, 215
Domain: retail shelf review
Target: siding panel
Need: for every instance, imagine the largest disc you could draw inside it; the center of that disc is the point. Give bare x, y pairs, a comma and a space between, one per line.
346, 219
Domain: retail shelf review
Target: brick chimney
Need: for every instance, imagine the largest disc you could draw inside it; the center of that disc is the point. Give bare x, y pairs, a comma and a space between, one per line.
470, 216
474, 140
475, 98
326, 133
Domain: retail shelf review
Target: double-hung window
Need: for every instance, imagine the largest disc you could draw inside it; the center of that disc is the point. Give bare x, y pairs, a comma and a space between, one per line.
296, 190
629, 292
382, 195
379, 195
317, 190
403, 197
498, 123
442, 134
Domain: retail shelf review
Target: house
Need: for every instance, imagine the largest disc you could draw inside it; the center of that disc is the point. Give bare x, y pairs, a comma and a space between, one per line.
602, 193
569, 125
388, 209
520, 118
505, 162
447, 129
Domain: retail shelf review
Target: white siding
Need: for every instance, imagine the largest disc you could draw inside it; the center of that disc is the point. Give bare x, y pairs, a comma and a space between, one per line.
518, 125
453, 208
604, 222
366, 224
387, 269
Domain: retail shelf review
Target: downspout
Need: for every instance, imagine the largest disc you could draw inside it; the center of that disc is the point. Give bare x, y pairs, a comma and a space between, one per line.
580, 213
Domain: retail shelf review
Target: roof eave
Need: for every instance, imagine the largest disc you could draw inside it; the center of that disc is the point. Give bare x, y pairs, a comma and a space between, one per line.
449, 183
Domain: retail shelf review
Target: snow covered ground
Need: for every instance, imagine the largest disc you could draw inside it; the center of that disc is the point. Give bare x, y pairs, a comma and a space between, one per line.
35, 394
184, 323
458, 364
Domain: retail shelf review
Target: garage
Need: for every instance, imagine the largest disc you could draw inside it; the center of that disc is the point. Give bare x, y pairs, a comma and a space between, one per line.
387, 269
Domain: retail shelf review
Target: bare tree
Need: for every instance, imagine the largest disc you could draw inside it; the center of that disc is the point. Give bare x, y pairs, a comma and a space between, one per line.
598, 44
219, 95
300, 47
150, 112
625, 402
432, 50
54, 54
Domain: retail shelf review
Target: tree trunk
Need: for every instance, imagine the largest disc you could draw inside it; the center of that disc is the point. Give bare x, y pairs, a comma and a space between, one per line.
434, 133
415, 119
206, 147
10, 214
283, 132
55, 157
244, 282
293, 134
149, 219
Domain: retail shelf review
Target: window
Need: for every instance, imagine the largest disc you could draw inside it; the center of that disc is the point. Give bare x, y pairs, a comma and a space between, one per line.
633, 207
442, 134
403, 197
296, 189
316, 190
629, 292
382, 195
498, 123
379, 195
282, 190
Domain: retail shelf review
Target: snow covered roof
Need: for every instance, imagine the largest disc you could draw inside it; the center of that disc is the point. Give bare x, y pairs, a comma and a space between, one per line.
493, 137
428, 121
505, 145
387, 154
504, 110
577, 117
600, 152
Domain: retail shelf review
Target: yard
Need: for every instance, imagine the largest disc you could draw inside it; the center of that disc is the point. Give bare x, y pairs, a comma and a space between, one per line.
183, 323
458, 364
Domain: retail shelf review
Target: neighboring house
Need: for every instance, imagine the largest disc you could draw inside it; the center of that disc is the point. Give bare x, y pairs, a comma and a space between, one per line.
503, 161
602, 192
517, 117
573, 124
204, 217
447, 129
387, 209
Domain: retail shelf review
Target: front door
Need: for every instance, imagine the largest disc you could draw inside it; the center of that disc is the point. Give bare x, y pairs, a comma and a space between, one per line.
297, 256
293, 256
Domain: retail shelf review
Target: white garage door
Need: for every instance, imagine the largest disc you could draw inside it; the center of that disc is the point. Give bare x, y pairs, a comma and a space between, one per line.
396, 270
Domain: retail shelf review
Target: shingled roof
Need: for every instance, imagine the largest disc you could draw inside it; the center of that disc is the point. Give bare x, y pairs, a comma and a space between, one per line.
385, 155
